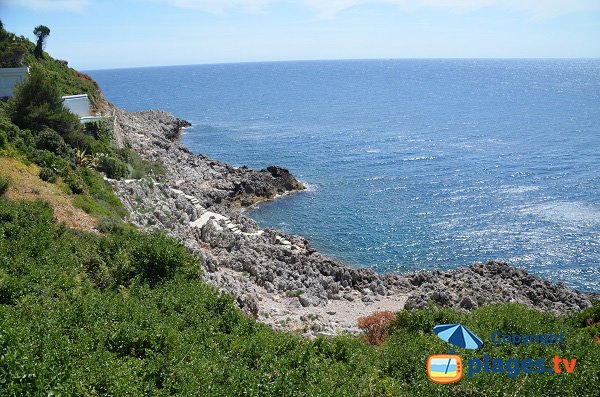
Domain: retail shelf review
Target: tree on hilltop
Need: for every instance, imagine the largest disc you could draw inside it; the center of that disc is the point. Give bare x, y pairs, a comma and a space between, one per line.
41, 32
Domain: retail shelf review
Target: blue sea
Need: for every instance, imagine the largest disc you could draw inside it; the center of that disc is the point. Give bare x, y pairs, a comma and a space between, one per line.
410, 164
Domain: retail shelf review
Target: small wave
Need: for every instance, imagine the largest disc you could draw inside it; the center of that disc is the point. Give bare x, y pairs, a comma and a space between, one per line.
309, 187
373, 150
565, 212
423, 158
520, 189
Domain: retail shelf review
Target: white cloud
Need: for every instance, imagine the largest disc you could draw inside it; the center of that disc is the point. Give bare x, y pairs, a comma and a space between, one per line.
49, 5
329, 8
537, 8
220, 5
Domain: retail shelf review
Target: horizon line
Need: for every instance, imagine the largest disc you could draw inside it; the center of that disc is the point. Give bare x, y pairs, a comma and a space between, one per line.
350, 59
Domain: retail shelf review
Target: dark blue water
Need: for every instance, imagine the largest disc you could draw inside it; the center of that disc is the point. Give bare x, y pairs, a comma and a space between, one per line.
411, 164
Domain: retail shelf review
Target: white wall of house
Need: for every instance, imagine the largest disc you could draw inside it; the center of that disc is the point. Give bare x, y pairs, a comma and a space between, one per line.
78, 104
9, 77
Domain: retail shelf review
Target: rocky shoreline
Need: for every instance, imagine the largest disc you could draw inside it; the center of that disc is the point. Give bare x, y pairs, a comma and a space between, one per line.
278, 278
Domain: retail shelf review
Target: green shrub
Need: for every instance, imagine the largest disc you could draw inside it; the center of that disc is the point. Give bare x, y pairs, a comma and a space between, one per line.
46, 159
8, 129
74, 182
113, 168
112, 225
78, 140
37, 104
589, 320
129, 255
8, 289
50, 140
48, 175
4, 184
100, 130
138, 167
101, 193
3, 138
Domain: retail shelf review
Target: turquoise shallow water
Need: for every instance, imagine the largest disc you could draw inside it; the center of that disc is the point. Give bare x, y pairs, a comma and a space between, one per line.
411, 164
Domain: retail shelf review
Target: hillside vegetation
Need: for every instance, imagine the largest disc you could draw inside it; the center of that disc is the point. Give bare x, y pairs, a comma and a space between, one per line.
18, 51
35, 128
124, 312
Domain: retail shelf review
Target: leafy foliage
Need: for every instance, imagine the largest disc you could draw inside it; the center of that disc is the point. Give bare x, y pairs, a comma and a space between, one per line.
48, 175
119, 260
4, 184
41, 32
589, 320
50, 140
113, 167
3, 137
12, 49
37, 104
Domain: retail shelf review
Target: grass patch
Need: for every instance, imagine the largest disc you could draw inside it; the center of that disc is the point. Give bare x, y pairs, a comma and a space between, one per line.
90, 206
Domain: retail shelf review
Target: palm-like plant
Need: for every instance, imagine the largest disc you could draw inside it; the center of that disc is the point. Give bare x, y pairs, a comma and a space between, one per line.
82, 159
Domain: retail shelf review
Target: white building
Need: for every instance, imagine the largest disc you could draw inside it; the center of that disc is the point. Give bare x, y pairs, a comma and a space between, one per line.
9, 77
78, 104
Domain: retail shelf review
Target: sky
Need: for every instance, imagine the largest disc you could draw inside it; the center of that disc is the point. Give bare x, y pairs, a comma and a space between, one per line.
104, 34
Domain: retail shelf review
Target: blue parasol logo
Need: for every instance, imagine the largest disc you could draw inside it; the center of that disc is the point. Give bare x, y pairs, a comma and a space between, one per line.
458, 335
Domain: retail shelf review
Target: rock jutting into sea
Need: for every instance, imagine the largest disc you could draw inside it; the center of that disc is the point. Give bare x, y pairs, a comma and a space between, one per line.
276, 277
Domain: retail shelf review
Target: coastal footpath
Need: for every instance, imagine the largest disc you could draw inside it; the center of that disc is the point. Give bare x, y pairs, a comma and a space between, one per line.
276, 277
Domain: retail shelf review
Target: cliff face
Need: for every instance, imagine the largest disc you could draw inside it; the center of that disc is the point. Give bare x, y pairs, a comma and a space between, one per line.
279, 278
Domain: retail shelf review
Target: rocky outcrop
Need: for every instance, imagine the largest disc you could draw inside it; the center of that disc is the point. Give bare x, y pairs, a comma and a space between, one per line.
479, 284
214, 183
276, 277
156, 121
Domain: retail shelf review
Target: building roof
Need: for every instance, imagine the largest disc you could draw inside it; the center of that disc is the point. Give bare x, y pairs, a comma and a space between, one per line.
74, 96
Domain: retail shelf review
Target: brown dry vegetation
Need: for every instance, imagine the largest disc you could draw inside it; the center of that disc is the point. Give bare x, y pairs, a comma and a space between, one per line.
376, 327
25, 184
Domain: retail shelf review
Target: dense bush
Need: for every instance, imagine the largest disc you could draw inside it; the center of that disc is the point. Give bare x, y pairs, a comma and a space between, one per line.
74, 182
112, 225
101, 130
3, 138
113, 168
589, 320
37, 104
52, 163
48, 175
50, 140
122, 258
4, 184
